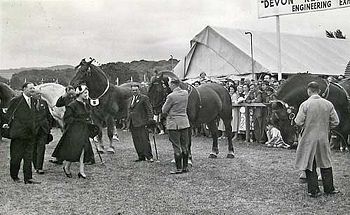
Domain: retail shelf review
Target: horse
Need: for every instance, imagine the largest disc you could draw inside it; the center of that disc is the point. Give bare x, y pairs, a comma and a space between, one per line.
205, 104
294, 91
109, 102
50, 92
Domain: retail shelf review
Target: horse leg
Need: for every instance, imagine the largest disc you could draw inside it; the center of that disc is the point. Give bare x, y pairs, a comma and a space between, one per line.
228, 133
190, 162
100, 147
110, 133
214, 133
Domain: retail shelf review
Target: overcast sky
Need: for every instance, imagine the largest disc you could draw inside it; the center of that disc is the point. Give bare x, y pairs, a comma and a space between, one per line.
55, 32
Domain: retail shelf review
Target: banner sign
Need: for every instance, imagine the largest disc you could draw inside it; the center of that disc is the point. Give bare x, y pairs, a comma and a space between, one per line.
268, 8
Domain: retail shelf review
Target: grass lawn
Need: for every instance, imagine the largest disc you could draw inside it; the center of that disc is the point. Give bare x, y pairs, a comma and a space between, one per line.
259, 180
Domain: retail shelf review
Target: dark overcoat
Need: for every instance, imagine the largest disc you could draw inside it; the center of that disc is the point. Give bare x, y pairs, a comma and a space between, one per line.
75, 137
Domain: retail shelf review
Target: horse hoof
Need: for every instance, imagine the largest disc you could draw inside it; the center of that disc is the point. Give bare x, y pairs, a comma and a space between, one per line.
212, 155
115, 137
110, 150
172, 161
231, 155
190, 162
100, 150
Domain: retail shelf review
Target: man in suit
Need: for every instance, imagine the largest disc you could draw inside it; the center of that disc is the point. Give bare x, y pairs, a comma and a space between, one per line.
43, 125
317, 116
22, 132
139, 116
178, 125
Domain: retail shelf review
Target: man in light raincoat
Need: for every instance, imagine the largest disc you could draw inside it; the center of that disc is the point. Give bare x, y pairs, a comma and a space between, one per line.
316, 116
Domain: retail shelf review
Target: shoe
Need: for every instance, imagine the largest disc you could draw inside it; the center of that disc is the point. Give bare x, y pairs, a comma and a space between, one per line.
30, 181
81, 175
69, 175
178, 171
314, 195
185, 170
140, 159
332, 192
40, 171
150, 160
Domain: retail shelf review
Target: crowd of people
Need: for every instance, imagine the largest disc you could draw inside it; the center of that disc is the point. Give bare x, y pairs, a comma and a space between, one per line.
247, 91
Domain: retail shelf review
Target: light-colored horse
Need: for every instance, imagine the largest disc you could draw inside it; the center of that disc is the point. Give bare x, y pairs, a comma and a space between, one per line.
50, 92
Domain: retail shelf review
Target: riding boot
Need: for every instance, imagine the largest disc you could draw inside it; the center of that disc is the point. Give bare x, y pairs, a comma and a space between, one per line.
178, 163
185, 162
327, 179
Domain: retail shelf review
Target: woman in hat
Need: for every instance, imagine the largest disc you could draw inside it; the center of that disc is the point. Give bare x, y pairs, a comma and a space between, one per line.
75, 139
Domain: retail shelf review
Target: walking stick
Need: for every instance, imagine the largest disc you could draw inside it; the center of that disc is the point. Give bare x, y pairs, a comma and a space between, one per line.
99, 154
155, 145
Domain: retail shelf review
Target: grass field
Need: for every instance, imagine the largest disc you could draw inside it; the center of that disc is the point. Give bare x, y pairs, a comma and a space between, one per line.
259, 180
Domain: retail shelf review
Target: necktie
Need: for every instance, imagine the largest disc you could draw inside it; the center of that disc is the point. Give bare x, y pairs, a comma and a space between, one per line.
29, 103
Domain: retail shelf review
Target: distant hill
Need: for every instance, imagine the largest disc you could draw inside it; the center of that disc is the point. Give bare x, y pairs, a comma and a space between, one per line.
138, 70
7, 73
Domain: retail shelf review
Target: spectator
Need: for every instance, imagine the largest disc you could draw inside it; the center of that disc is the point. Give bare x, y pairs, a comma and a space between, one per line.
274, 137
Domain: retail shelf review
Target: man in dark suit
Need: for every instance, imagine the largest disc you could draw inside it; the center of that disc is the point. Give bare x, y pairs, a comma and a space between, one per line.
43, 125
139, 116
22, 132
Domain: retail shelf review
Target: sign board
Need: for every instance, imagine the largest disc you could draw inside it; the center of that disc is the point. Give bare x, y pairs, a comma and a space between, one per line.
268, 8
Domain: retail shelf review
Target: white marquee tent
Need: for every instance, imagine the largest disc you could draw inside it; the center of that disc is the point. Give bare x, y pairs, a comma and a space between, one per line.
226, 52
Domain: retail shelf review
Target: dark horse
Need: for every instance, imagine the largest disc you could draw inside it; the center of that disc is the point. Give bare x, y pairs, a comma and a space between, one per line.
294, 91
6, 94
205, 104
109, 102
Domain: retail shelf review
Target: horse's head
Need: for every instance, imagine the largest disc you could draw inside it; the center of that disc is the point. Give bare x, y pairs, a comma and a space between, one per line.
91, 75
83, 72
158, 91
282, 116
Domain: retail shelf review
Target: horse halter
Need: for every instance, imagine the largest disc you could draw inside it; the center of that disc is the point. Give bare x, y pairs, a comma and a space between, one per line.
96, 101
289, 109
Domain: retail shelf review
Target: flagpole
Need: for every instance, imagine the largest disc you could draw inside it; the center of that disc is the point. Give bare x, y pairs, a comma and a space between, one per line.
279, 57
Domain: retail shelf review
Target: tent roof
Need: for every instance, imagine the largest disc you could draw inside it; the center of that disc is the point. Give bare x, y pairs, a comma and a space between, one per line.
230, 48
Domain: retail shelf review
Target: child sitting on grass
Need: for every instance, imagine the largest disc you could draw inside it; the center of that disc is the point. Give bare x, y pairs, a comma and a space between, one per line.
274, 137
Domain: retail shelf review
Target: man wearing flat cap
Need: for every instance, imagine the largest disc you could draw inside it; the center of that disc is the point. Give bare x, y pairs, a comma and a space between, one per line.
317, 116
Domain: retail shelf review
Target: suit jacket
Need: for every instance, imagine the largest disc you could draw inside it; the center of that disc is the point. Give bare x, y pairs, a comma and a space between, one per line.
43, 117
140, 112
23, 123
175, 107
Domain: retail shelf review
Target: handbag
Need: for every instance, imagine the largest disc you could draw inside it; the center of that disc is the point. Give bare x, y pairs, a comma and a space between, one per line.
94, 130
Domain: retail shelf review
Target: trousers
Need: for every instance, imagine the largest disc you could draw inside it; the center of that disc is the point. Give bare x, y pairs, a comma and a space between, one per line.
312, 181
141, 142
21, 149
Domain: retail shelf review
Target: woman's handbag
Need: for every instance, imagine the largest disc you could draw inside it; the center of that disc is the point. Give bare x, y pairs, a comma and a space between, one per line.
94, 130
